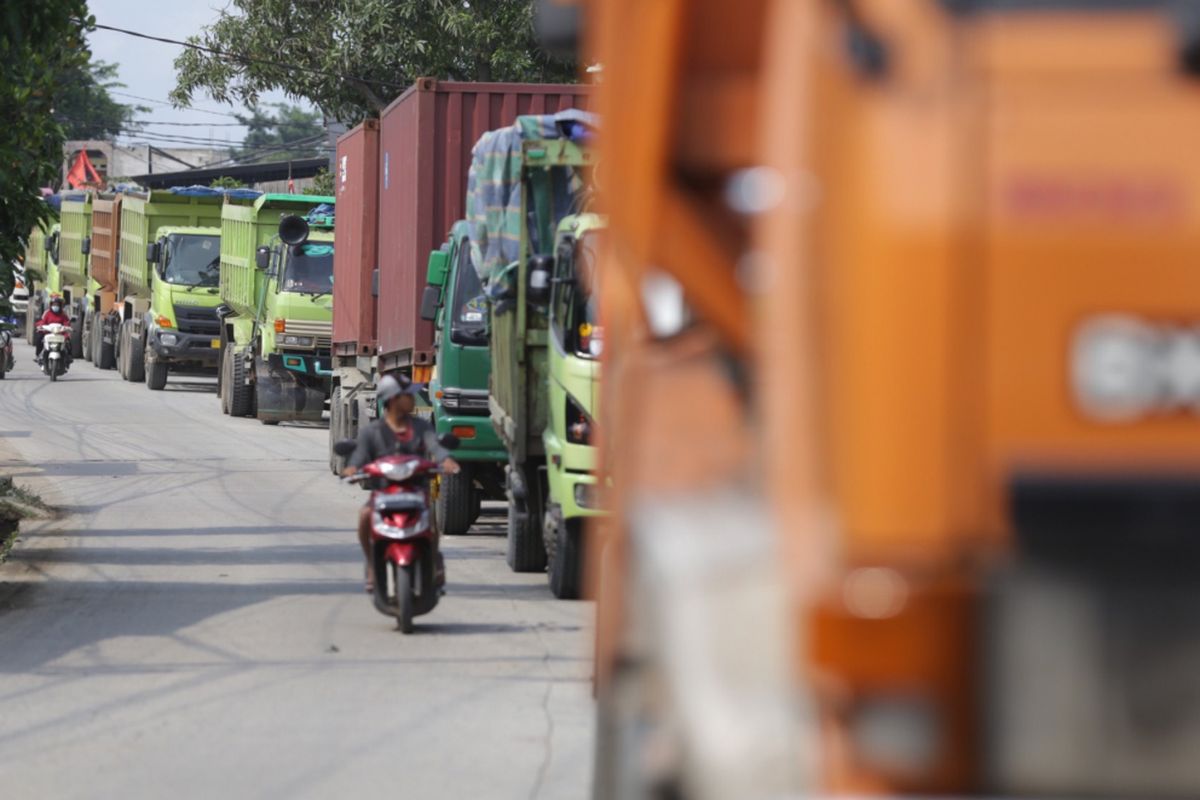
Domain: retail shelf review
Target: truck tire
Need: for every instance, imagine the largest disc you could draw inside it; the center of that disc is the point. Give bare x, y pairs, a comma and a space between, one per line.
241, 396
121, 350
135, 363
526, 551
89, 352
156, 375
77, 337
336, 423
224, 380
564, 552
455, 503
106, 357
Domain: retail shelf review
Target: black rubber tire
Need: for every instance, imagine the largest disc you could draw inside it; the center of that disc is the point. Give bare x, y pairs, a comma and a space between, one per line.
54, 369
404, 598
156, 375
77, 337
336, 462
107, 353
525, 550
225, 369
135, 363
89, 352
241, 396
564, 556
455, 503
269, 421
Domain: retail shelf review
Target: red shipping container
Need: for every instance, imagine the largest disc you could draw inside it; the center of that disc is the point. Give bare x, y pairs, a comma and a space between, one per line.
426, 138
356, 189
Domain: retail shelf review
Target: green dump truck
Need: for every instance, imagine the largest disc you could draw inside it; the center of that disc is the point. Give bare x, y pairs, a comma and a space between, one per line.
39, 259
277, 315
168, 263
454, 301
76, 229
535, 248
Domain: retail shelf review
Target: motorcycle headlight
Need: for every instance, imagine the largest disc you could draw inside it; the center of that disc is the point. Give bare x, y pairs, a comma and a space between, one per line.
292, 340
398, 471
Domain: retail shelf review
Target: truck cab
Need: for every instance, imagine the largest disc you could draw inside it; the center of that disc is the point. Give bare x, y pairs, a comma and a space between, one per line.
454, 301
576, 340
181, 325
298, 308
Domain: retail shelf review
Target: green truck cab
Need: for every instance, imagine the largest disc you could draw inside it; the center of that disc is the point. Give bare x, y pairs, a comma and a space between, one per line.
454, 301
277, 319
166, 317
542, 387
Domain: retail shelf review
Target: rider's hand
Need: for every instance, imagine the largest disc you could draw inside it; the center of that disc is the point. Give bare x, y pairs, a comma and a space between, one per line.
450, 466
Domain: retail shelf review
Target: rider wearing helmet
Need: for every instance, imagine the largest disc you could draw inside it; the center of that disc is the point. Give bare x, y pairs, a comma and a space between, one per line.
54, 314
397, 432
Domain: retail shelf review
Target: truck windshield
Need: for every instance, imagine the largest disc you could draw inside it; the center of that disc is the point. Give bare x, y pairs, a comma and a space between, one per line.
309, 269
468, 321
192, 260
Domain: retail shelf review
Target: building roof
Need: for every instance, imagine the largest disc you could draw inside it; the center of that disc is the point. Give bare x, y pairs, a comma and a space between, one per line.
247, 173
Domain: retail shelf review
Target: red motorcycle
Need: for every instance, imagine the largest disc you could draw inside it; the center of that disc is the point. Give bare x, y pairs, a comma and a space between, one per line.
408, 568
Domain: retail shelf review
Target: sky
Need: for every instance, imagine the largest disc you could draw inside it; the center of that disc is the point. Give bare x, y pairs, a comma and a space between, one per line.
147, 69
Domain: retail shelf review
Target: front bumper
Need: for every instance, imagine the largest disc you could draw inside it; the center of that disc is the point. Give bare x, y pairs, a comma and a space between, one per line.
568, 488
170, 345
485, 445
318, 365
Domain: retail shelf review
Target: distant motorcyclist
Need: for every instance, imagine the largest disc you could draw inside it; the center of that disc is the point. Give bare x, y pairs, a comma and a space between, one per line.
397, 432
54, 314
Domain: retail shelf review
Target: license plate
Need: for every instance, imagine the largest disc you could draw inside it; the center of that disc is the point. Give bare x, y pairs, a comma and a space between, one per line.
216, 343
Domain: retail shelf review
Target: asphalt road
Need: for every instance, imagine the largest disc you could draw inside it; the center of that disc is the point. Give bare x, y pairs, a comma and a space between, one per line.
194, 623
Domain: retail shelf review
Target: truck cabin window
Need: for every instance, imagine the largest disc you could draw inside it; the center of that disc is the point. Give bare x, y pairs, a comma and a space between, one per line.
574, 309
468, 321
192, 260
309, 269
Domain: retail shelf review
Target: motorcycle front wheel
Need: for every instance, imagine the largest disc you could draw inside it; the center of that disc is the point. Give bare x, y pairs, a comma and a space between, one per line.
402, 580
54, 369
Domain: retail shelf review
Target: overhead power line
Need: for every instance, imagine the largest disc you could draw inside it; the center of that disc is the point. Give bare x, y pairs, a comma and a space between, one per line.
172, 105
250, 59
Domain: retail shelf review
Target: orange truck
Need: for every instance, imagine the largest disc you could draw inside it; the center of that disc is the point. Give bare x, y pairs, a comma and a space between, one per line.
906, 495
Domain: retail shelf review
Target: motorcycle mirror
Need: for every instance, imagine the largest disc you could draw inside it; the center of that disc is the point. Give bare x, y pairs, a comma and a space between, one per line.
449, 441
344, 447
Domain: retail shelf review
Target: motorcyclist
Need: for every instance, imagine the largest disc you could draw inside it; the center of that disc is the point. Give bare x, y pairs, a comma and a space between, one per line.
54, 314
396, 432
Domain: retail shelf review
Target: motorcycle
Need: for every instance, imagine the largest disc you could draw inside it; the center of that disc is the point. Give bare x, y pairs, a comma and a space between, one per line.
409, 572
56, 350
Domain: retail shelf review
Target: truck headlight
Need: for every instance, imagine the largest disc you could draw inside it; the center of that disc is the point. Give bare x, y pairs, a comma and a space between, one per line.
292, 340
168, 339
585, 495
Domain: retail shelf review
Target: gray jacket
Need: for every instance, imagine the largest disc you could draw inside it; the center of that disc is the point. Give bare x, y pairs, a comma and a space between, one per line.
378, 440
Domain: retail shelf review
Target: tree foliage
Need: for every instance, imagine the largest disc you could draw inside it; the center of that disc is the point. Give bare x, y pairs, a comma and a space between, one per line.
322, 184
291, 132
86, 110
352, 57
40, 42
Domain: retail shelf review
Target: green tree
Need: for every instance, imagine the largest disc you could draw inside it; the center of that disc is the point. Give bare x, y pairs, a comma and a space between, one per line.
352, 57
86, 110
226, 182
291, 132
322, 184
40, 42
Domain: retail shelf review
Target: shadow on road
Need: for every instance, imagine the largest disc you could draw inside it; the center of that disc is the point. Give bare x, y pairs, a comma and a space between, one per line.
342, 553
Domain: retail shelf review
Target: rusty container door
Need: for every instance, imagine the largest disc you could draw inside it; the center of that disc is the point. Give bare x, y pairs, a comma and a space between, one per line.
356, 228
426, 138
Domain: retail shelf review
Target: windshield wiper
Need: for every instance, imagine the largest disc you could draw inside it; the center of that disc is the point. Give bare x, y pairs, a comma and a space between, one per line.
313, 294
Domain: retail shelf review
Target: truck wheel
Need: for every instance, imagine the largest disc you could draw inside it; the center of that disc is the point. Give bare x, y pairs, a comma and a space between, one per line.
241, 398
156, 375
89, 352
77, 337
526, 551
121, 350
106, 357
336, 417
224, 380
455, 503
564, 550
135, 363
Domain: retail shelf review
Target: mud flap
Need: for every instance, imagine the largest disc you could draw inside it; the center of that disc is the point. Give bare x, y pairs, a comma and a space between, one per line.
280, 396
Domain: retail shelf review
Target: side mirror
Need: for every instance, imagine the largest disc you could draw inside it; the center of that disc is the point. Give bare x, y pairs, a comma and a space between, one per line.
449, 441
153, 252
85, 246
540, 270
344, 447
262, 257
439, 267
431, 301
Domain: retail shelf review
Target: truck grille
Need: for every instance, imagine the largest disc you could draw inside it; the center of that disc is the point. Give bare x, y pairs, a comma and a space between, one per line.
323, 331
192, 319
